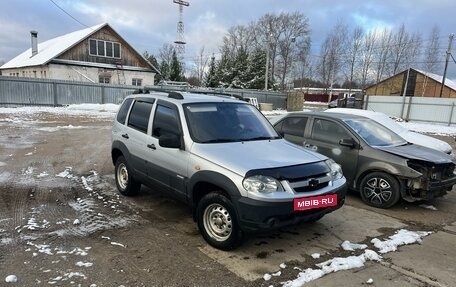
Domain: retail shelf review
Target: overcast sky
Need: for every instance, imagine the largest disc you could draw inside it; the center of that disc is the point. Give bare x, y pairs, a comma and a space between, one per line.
148, 24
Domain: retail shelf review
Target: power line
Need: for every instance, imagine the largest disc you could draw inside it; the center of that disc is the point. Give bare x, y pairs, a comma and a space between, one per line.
69, 14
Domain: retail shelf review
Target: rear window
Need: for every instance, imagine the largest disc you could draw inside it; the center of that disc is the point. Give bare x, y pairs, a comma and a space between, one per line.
122, 114
139, 116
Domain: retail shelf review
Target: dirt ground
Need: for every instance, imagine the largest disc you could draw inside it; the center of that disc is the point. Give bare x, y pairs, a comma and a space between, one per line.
63, 223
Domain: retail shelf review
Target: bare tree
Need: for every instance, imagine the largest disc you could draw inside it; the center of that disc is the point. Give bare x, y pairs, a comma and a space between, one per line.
431, 53
354, 45
404, 50
267, 31
295, 37
367, 57
332, 54
382, 53
431, 56
165, 54
303, 68
200, 64
238, 38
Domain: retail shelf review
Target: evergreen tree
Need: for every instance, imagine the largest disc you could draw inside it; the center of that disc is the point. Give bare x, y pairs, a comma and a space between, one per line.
211, 77
222, 73
164, 69
175, 73
256, 70
151, 58
239, 70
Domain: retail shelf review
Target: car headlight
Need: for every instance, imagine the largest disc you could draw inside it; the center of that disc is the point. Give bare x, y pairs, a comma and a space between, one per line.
336, 170
262, 184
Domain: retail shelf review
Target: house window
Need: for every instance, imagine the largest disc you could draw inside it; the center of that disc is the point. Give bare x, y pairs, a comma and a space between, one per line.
93, 47
34, 74
116, 50
136, 82
106, 49
104, 79
101, 48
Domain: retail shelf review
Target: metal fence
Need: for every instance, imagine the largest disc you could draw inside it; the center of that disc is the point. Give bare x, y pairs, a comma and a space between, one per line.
16, 91
437, 110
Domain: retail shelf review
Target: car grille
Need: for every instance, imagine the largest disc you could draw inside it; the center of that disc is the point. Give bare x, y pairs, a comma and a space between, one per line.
311, 183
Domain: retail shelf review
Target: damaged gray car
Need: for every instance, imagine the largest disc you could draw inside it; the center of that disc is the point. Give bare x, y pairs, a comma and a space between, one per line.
378, 163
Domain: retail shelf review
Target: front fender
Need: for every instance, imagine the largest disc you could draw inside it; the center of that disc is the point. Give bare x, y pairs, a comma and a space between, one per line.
213, 178
398, 170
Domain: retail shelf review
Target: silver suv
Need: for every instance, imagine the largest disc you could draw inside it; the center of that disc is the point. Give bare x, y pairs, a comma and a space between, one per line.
221, 156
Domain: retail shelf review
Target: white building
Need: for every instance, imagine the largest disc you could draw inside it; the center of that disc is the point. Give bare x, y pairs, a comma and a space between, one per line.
97, 54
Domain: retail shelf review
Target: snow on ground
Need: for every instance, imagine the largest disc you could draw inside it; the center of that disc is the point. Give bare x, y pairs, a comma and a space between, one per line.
430, 128
99, 110
402, 237
108, 110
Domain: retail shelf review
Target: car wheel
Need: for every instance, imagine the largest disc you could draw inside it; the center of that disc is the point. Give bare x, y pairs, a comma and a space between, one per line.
217, 221
125, 182
380, 190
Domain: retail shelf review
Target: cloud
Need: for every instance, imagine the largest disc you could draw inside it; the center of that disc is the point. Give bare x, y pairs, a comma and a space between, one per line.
205, 32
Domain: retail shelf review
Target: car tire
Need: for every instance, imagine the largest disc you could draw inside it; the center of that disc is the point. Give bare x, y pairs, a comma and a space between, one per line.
217, 221
125, 182
380, 190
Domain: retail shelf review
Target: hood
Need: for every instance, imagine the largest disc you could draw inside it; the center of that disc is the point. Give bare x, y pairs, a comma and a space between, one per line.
417, 152
426, 141
240, 157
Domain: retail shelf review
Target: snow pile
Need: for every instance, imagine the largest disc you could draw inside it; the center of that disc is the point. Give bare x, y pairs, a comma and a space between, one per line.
345, 263
347, 245
402, 237
84, 264
431, 207
305, 276
66, 173
99, 110
11, 279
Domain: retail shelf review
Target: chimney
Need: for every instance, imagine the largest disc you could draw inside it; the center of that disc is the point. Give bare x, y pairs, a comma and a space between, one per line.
34, 35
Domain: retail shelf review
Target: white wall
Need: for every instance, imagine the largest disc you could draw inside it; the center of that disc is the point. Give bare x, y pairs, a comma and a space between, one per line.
439, 110
79, 73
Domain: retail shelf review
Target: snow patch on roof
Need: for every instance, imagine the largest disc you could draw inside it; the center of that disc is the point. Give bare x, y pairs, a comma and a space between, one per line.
449, 83
50, 49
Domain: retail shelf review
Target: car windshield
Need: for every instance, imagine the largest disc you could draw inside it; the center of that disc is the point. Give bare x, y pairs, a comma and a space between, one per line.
374, 133
227, 122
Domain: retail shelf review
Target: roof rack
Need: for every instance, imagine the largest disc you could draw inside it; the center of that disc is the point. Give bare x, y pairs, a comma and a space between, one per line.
171, 94
219, 94
177, 95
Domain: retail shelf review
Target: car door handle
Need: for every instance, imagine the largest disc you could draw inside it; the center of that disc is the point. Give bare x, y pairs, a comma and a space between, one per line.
125, 136
151, 146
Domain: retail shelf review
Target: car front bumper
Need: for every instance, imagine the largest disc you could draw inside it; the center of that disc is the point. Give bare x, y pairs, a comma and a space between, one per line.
255, 215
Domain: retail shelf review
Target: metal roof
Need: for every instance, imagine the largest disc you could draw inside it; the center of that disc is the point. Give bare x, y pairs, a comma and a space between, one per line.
53, 48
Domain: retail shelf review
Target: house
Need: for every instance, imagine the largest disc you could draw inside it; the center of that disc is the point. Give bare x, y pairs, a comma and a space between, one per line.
419, 84
97, 54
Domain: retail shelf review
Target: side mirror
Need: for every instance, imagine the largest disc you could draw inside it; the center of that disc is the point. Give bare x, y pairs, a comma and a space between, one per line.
348, 143
170, 141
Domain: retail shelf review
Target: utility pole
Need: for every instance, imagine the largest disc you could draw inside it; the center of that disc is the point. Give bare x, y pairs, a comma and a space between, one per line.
448, 54
266, 73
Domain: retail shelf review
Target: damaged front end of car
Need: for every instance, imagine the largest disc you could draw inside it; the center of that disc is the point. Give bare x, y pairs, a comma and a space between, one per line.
435, 181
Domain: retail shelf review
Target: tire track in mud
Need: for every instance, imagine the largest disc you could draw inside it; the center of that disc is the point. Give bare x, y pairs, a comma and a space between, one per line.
12, 212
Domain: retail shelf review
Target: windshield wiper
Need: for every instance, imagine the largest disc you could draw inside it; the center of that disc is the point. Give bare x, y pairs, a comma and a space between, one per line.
222, 140
261, 138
